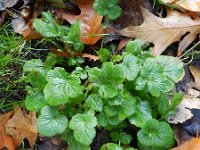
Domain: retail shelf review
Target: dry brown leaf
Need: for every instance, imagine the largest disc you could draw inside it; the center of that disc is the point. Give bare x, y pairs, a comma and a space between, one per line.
183, 112
5, 139
192, 144
164, 31
123, 43
89, 19
180, 134
196, 74
191, 5
22, 126
93, 57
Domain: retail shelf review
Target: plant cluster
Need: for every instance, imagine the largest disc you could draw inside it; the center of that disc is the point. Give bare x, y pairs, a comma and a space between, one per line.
132, 88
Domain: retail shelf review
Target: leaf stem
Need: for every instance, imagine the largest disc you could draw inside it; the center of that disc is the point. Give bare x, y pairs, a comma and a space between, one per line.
190, 49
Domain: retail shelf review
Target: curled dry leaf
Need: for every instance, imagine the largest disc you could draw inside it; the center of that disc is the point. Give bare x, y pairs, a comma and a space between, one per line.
191, 5
183, 112
192, 144
22, 126
5, 139
90, 22
196, 74
164, 31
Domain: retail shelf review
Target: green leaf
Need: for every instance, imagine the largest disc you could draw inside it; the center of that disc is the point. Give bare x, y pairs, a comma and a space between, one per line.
74, 36
61, 87
48, 27
34, 64
73, 144
105, 7
131, 67
156, 134
166, 107
128, 106
35, 101
94, 102
110, 111
101, 7
84, 128
151, 75
114, 12
134, 47
113, 120
103, 54
50, 122
172, 67
124, 138
111, 146
37, 79
51, 61
141, 115
101, 118
108, 79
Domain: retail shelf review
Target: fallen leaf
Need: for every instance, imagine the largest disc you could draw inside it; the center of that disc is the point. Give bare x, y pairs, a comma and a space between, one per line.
192, 144
180, 134
131, 12
93, 57
123, 43
183, 110
196, 74
191, 5
5, 139
164, 31
90, 22
22, 126
7, 3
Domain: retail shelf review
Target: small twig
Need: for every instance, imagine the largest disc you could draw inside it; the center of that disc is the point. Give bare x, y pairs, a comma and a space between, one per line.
189, 50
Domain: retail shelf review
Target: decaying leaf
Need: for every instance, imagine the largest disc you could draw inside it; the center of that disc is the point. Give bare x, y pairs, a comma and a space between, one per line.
180, 134
5, 139
164, 31
192, 144
131, 12
22, 126
191, 5
90, 22
7, 3
183, 112
196, 74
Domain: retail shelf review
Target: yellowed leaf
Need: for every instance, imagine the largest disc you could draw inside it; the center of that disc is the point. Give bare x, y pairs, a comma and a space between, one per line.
196, 74
90, 21
5, 139
164, 31
192, 144
21, 126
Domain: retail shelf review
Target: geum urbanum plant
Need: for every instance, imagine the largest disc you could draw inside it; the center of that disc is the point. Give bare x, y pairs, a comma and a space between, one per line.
132, 89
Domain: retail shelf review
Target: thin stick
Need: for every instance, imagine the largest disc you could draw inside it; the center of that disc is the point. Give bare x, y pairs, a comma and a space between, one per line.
189, 49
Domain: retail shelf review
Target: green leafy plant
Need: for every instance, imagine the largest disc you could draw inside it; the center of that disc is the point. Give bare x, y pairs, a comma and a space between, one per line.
133, 89
69, 36
107, 8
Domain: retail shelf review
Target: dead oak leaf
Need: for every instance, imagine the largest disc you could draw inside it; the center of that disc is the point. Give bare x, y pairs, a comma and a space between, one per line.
90, 21
5, 139
22, 126
183, 110
191, 5
196, 74
164, 31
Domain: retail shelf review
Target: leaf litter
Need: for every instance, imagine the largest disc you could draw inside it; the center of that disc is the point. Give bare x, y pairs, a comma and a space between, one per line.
164, 31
